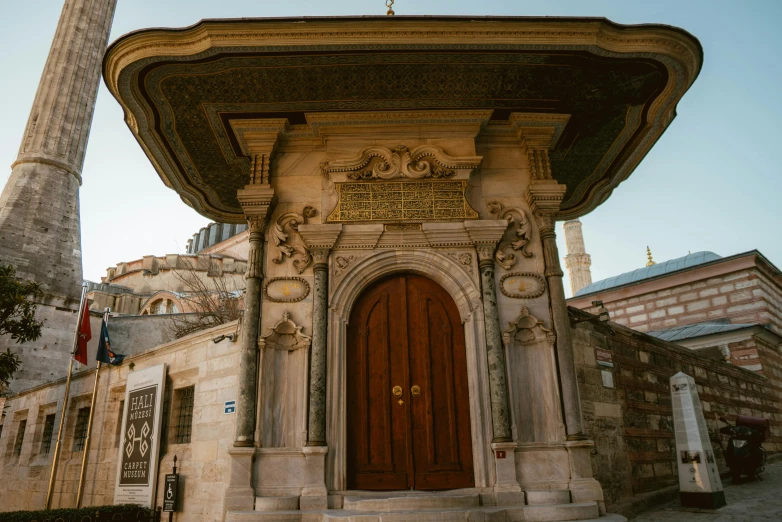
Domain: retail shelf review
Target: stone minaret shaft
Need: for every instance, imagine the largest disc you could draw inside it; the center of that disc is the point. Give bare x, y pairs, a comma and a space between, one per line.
577, 260
39, 207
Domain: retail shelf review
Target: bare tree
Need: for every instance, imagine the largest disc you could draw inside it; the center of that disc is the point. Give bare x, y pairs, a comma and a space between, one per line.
211, 300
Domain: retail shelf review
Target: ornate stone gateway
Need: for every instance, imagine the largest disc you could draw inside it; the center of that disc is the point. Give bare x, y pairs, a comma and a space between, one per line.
408, 412
362, 151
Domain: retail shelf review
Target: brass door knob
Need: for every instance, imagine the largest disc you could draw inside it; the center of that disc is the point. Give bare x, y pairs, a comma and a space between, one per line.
397, 391
415, 391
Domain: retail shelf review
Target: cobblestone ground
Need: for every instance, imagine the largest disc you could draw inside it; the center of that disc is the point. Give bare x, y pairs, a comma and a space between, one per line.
747, 501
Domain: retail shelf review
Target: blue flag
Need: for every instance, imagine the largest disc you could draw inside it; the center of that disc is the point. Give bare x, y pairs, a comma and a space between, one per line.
105, 355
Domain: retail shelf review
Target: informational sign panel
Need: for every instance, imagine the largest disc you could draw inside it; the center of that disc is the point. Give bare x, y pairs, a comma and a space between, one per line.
230, 407
699, 479
169, 492
140, 437
604, 357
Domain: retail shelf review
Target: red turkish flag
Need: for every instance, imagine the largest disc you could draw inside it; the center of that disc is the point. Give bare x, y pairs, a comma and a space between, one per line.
85, 334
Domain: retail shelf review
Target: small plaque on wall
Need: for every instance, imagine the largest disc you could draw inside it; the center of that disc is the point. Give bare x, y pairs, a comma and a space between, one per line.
286, 289
522, 285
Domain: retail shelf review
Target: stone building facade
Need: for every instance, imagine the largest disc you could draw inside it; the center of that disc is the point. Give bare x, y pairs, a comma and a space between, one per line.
167, 284
200, 439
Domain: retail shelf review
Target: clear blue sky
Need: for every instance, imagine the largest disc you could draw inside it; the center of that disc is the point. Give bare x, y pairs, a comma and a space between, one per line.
712, 182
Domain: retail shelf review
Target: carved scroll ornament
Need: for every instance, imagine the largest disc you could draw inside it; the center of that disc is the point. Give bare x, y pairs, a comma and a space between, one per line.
522, 285
425, 161
520, 238
301, 255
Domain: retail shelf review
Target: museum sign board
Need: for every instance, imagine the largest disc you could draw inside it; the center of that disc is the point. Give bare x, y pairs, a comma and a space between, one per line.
140, 437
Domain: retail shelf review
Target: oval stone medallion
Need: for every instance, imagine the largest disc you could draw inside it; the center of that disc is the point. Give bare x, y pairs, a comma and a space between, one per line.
286, 289
522, 285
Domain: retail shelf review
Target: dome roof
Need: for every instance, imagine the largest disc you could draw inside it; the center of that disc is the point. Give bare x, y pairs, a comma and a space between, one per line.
648, 272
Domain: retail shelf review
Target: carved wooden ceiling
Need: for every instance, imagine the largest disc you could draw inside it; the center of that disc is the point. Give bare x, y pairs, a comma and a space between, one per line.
182, 88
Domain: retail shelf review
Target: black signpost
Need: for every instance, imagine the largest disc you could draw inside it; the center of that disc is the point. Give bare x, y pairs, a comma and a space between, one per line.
170, 491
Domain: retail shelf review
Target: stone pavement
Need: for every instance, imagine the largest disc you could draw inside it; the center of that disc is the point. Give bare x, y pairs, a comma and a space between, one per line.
747, 501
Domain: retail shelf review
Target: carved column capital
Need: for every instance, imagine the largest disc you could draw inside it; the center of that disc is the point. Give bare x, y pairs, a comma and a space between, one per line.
257, 200
320, 239
320, 257
485, 254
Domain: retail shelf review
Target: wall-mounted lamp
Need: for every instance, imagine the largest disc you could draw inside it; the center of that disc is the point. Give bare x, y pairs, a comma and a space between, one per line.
602, 316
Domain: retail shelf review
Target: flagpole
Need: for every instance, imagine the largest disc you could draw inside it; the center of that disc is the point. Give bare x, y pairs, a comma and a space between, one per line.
89, 423
82, 304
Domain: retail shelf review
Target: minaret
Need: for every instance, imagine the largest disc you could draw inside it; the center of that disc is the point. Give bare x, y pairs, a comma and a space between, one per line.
577, 260
39, 206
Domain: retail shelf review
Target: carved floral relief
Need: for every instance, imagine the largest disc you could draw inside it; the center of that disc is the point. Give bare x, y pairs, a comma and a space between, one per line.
286, 225
522, 285
516, 239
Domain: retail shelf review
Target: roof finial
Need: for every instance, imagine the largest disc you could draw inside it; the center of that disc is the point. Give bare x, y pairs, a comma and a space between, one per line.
649, 255
390, 4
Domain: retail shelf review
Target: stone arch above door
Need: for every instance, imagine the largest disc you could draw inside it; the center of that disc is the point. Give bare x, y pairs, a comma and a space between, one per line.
436, 266
466, 294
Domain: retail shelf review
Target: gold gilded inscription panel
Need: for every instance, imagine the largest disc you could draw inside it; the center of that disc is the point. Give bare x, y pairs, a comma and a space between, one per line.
401, 201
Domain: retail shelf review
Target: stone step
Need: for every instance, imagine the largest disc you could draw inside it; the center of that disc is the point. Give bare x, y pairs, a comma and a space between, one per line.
536, 513
409, 503
547, 496
276, 503
553, 512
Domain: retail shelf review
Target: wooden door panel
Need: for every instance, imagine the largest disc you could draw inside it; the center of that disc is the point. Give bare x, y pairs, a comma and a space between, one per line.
405, 331
442, 445
376, 359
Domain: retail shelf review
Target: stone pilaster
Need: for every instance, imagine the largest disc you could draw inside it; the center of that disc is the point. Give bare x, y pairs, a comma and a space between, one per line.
544, 198
39, 206
320, 239
485, 235
258, 202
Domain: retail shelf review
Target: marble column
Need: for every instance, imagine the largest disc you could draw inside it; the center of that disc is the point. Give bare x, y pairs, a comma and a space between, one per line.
257, 202
316, 428
319, 239
495, 352
544, 197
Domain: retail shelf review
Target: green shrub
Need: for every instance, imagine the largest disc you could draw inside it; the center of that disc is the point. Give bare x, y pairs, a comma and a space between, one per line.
125, 512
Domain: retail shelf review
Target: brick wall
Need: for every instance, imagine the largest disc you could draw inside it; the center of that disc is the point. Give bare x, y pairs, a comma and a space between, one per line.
744, 297
632, 424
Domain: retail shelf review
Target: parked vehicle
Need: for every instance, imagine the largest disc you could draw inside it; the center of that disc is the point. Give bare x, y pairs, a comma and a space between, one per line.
745, 454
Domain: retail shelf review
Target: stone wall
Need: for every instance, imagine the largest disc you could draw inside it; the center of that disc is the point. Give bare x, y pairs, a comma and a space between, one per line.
632, 423
192, 361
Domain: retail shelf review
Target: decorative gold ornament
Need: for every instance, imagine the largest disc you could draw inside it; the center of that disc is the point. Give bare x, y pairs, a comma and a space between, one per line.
390, 4
649, 256
401, 201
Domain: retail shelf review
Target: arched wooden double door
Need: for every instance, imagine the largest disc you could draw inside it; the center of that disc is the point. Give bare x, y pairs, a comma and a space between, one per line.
408, 417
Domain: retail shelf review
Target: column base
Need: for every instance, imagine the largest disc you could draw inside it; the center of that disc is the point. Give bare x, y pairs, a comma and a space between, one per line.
507, 491
239, 496
314, 495
583, 486
713, 500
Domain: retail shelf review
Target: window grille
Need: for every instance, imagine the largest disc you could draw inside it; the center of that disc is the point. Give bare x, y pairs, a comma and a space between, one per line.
185, 398
48, 433
80, 433
20, 438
